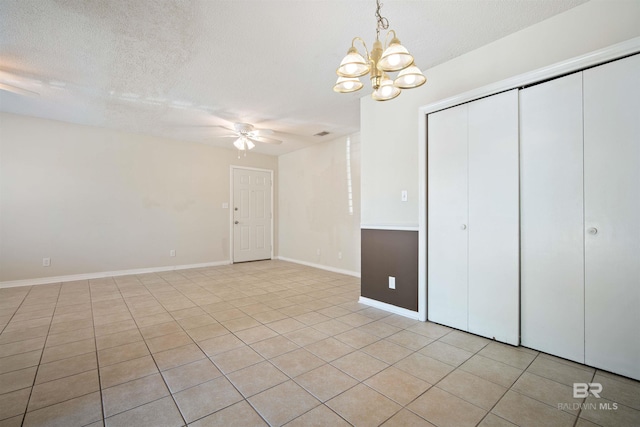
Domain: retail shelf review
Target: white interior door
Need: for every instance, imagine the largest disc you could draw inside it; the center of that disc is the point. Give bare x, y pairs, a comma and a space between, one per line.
612, 216
447, 217
252, 215
551, 200
493, 229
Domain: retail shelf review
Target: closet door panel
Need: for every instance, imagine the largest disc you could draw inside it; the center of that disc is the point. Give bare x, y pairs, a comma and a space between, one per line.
494, 277
551, 210
612, 216
447, 207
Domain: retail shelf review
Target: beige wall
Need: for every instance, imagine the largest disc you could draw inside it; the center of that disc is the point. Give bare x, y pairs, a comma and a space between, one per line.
389, 130
96, 200
316, 184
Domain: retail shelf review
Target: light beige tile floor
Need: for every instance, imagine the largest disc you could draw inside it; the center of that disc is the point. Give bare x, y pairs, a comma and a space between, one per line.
270, 343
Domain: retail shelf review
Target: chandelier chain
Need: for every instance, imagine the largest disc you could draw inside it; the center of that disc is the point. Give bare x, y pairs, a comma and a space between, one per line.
383, 23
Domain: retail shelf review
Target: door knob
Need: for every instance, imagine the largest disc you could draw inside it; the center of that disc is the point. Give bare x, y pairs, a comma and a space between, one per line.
463, 227
237, 222
592, 231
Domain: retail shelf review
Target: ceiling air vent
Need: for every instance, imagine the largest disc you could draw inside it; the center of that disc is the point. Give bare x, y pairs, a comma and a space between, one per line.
323, 133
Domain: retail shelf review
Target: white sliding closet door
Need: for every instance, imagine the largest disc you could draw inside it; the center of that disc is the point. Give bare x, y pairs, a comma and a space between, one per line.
612, 216
473, 217
494, 274
447, 217
551, 199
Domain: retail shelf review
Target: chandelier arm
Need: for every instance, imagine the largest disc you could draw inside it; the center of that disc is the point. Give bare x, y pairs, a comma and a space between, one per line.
353, 44
386, 38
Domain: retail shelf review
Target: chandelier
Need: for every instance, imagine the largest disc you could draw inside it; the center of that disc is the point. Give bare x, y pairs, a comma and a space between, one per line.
380, 61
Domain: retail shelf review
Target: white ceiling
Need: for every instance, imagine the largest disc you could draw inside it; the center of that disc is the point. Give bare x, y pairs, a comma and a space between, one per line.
173, 67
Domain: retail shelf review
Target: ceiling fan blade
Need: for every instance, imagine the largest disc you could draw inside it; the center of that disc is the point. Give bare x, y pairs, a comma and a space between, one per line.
225, 128
266, 140
18, 90
261, 132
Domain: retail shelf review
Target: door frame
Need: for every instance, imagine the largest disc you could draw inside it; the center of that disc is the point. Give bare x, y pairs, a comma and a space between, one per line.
232, 168
610, 53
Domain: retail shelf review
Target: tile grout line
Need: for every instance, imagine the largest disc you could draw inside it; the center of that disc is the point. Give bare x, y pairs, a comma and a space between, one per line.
95, 340
509, 389
150, 353
362, 382
208, 358
455, 368
24, 298
584, 400
33, 385
246, 399
224, 375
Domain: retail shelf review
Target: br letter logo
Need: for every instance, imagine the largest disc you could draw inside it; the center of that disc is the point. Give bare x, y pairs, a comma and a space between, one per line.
582, 390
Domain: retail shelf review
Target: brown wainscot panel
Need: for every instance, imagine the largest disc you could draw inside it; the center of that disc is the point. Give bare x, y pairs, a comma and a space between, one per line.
390, 253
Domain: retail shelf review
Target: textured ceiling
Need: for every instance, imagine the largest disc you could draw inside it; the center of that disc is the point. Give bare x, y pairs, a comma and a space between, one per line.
172, 67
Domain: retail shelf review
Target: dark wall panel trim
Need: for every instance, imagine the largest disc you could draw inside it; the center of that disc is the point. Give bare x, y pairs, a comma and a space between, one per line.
390, 253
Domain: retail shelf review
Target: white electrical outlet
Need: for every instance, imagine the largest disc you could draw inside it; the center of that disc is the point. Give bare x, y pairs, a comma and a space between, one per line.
46, 262
404, 196
172, 252
392, 282
318, 251
225, 205
339, 255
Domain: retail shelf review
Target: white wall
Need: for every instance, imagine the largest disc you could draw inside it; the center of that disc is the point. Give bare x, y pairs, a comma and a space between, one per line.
315, 188
96, 200
389, 130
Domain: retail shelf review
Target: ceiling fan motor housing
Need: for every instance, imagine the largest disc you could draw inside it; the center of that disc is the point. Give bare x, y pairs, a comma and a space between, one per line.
243, 128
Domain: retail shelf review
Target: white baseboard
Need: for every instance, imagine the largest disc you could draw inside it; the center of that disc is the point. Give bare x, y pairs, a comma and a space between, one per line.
87, 276
391, 308
320, 266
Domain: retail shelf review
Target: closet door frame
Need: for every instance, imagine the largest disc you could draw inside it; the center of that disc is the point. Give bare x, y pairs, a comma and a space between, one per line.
578, 63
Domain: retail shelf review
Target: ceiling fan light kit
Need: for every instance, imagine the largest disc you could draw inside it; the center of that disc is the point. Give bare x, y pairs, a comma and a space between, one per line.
380, 61
243, 143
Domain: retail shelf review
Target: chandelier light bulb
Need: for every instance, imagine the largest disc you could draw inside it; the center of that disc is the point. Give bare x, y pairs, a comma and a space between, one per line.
409, 78
395, 57
394, 60
346, 85
353, 64
386, 91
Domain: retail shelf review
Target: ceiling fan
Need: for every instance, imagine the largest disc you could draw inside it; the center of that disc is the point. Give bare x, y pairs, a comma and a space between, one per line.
246, 136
